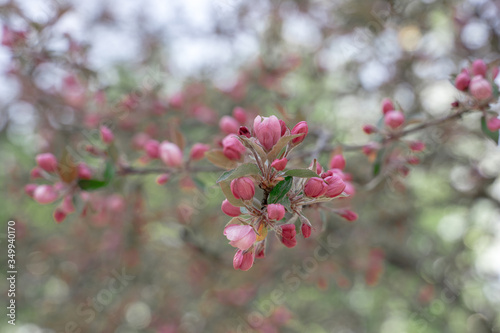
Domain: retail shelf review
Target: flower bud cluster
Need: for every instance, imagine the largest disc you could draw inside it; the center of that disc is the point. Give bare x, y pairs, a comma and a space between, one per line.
264, 194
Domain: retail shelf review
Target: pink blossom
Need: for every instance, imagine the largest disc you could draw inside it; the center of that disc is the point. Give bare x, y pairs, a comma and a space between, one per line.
288, 234
240, 236
198, 151
267, 130
170, 154
279, 164
387, 105
45, 194
84, 171
152, 148
240, 115
315, 187
229, 209
243, 188
243, 260
462, 81
229, 125
232, 147
480, 88
275, 211
107, 135
300, 128
47, 162
394, 119
337, 162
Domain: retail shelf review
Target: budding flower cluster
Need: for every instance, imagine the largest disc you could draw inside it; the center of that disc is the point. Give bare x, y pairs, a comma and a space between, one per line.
477, 80
260, 195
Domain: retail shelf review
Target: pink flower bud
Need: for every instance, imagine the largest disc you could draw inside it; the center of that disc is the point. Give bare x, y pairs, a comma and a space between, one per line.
84, 171
198, 151
494, 124
315, 187
319, 168
413, 160
59, 215
243, 260
275, 211
47, 162
240, 115
369, 129
240, 236
335, 186
36, 172
480, 88
417, 146
139, 140
243, 188
288, 234
229, 209
387, 105
45, 194
494, 72
229, 125
349, 215
337, 162
176, 101
301, 127
267, 130
232, 147
306, 230
280, 164
394, 119
283, 127
350, 190
244, 131
170, 154
67, 204
479, 67
462, 81
152, 148
163, 179
106, 135
29, 189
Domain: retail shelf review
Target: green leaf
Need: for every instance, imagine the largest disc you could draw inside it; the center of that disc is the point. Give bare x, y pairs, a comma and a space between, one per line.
280, 145
91, 184
280, 190
109, 172
484, 127
301, 173
377, 166
246, 169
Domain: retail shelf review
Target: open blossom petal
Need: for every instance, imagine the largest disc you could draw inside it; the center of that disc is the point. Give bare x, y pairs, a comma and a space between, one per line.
240, 236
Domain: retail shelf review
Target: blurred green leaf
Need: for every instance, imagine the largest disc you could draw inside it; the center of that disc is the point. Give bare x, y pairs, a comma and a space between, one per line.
377, 166
91, 184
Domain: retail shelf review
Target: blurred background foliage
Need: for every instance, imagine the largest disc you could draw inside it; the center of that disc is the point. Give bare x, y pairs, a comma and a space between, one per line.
424, 254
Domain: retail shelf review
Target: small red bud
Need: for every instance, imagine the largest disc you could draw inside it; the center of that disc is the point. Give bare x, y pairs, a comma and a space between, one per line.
107, 135
369, 129
387, 105
279, 164
163, 179
244, 131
